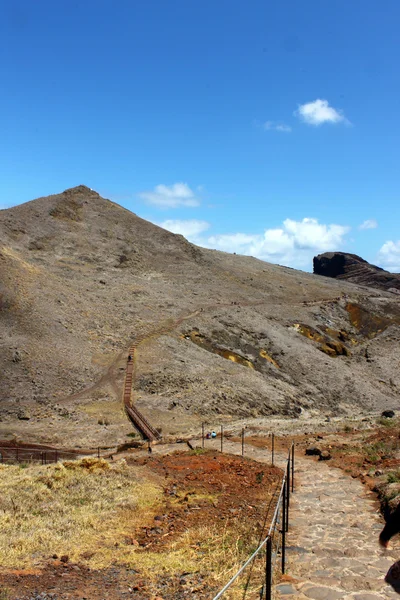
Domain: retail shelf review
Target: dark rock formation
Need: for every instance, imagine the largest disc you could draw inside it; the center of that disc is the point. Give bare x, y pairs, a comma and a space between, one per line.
341, 265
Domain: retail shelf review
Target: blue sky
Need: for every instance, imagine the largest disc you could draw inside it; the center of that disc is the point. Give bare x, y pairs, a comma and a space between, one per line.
263, 128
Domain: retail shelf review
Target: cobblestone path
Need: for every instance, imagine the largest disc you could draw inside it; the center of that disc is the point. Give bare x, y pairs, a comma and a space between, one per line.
333, 549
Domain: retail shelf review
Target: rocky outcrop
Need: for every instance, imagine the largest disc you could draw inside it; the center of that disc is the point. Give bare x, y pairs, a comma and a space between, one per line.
351, 267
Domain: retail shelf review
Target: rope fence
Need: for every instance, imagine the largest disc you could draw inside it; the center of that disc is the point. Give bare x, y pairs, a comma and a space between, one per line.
25, 455
280, 518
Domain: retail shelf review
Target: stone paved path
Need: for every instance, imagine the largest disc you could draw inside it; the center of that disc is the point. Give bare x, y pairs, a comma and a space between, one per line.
333, 550
332, 544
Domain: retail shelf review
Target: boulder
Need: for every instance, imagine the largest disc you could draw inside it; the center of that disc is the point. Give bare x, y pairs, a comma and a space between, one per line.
388, 414
325, 455
313, 451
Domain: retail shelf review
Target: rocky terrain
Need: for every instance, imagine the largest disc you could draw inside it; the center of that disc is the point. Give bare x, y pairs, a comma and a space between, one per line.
357, 270
218, 336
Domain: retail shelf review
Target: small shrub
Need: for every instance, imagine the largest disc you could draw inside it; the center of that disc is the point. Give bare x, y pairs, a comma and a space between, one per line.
386, 422
393, 477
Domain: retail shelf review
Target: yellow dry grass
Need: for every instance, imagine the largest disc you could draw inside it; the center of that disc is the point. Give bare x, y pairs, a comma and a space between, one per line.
91, 510
81, 508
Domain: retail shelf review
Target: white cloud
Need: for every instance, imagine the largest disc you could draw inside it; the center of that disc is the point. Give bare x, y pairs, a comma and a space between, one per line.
178, 194
294, 244
389, 256
319, 112
188, 228
275, 126
369, 224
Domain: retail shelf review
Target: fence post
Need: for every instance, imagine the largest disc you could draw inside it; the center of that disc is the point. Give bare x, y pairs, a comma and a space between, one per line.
287, 493
222, 438
242, 441
268, 570
273, 448
56, 455
292, 467
45, 459
283, 527
202, 435
98, 452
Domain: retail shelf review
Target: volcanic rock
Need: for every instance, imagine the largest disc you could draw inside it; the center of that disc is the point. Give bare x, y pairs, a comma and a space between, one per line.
351, 267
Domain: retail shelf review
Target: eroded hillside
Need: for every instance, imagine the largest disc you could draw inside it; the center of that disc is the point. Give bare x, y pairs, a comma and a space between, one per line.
81, 279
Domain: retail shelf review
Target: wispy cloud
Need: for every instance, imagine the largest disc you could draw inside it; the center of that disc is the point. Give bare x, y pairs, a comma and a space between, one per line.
369, 224
276, 126
389, 256
319, 112
163, 196
189, 228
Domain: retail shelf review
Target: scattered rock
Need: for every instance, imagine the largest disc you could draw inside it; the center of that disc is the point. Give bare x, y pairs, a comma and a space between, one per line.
325, 455
388, 414
16, 356
313, 451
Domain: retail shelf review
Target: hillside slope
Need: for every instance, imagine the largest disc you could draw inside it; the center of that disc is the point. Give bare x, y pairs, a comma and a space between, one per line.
82, 278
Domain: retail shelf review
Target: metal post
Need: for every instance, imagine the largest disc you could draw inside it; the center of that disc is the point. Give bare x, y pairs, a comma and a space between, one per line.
292, 467
243, 441
283, 527
98, 452
222, 438
273, 448
268, 570
202, 435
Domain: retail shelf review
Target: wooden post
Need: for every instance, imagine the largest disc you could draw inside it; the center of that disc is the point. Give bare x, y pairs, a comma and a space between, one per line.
268, 570
202, 435
222, 438
272, 448
292, 467
98, 452
242, 441
283, 527
287, 493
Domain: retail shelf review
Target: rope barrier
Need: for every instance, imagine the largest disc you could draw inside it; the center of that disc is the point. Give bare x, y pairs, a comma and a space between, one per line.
248, 561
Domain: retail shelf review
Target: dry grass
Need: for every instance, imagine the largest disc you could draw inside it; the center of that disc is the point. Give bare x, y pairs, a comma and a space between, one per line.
90, 510
81, 508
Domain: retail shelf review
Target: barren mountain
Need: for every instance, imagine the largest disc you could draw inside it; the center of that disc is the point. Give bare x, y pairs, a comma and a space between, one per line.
218, 336
355, 269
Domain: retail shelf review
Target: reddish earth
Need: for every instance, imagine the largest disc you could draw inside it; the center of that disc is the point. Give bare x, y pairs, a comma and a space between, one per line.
200, 489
